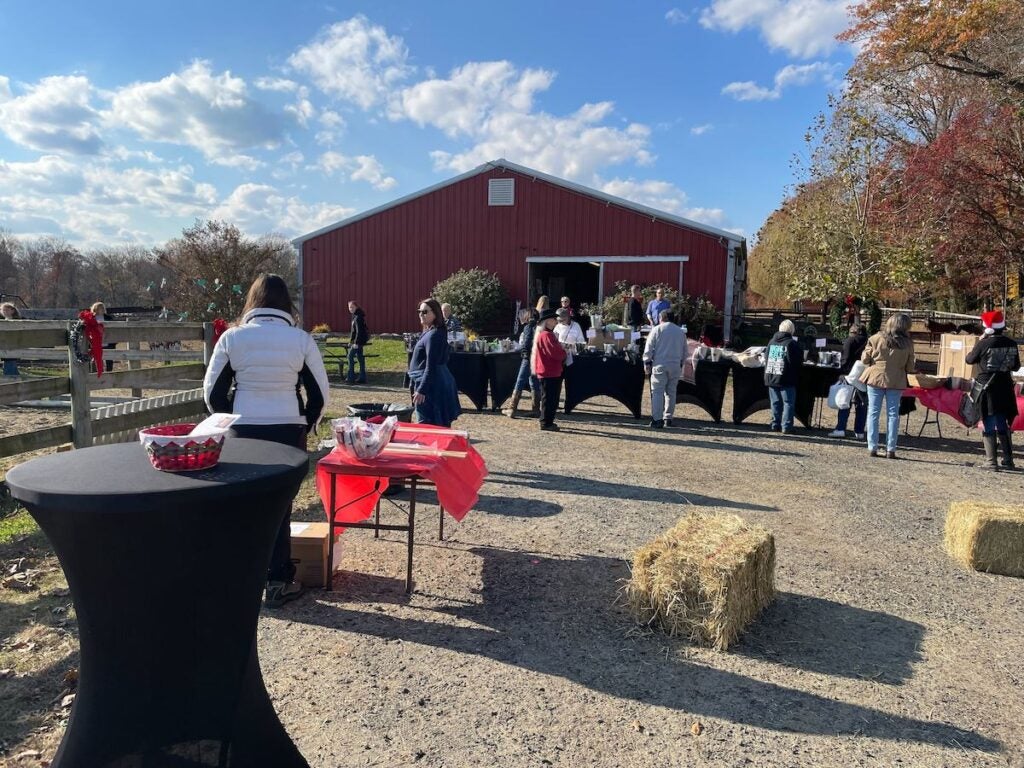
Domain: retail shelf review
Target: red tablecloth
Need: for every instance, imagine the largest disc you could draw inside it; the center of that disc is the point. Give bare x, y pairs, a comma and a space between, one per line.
360, 482
947, 401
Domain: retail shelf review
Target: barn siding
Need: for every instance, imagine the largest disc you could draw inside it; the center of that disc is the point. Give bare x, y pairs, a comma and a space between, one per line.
389, 261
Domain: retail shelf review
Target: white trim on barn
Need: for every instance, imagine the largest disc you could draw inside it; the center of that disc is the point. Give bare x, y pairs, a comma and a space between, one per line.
503, 164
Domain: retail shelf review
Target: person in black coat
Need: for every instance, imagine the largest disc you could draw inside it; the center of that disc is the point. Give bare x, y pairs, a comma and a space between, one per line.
782, 362
635, 309
359, 338
853, 348
997, 356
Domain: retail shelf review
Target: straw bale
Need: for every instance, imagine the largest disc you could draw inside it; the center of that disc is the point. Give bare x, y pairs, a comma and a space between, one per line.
986, 537
705, 579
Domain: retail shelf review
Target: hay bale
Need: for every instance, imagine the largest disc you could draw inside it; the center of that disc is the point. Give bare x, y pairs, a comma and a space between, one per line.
705, 579
986, 537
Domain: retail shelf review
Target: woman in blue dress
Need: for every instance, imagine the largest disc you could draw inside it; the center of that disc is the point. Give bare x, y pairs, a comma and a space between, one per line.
431, 383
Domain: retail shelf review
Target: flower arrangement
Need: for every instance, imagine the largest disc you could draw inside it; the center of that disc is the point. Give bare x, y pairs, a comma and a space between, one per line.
321, 328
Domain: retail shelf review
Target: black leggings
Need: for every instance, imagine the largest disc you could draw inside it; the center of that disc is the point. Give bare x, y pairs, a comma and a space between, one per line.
281, 566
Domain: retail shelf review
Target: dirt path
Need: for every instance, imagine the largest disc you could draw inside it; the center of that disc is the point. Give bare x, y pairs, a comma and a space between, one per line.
512, 651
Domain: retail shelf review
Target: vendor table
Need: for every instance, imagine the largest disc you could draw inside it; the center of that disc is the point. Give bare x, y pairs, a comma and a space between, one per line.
351, 488
470, 372
708, 389
167, 573
594, 375
750, 394
502, 372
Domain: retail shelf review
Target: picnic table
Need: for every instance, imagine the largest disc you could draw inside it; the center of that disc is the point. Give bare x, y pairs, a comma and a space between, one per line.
166, 572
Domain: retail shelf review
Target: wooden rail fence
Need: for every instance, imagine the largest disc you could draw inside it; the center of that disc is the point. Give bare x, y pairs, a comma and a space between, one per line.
47, 340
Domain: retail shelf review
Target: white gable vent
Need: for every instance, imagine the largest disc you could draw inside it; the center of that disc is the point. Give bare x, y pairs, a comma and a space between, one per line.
501, 191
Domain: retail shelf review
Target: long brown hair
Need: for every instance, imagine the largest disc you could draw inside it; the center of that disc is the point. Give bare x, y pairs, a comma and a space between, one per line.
896, 332
269, 292
435, 307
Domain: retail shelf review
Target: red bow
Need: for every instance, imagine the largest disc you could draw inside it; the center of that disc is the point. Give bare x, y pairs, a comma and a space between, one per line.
219, 326
94, 333
849, 300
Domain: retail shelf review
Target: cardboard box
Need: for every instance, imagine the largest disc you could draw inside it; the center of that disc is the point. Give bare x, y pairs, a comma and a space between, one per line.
607, 337
953, 350
309, 548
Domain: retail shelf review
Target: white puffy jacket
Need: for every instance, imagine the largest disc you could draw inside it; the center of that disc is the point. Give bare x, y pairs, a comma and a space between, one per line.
267, 358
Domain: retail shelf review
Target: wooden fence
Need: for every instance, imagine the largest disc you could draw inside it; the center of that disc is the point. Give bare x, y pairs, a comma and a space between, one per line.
47, 340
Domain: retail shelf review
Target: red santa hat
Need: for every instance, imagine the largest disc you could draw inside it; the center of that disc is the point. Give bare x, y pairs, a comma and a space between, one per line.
993, 320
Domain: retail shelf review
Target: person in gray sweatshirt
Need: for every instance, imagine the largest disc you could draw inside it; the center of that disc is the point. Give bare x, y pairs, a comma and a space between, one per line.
663, 362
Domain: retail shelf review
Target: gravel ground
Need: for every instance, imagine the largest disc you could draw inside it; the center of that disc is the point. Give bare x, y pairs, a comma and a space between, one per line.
513, 649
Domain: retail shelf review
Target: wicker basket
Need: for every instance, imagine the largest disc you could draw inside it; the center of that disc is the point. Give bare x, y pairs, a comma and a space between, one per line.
924, 381
169, 449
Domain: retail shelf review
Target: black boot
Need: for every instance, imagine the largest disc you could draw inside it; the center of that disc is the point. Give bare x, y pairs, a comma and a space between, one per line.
989, 440
515, 404
1007, 446
535, 405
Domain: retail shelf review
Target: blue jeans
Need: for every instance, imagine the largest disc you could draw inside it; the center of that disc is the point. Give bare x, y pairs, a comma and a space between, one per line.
892, 416
994, 423
860, 416
525, 381
783, 402
356, 353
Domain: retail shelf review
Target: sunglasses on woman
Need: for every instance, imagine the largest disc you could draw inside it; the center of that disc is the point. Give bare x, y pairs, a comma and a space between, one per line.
423, 311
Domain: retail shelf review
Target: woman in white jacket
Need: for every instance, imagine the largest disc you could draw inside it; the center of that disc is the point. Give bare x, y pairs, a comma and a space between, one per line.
267, 358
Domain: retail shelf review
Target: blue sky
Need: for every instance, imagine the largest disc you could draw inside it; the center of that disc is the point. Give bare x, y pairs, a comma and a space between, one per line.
124, 122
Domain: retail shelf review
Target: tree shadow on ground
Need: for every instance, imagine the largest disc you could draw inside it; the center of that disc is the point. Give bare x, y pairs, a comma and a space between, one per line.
543, 481
559, 617
824, 636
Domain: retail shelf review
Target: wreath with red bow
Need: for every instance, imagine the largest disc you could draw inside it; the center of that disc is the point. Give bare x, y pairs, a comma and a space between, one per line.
87, 326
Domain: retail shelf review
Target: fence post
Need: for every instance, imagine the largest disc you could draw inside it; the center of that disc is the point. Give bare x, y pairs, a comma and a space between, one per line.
207, 344
134, 365
81, 426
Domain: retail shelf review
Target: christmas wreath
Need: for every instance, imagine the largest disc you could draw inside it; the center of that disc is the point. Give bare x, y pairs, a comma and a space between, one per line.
87, 326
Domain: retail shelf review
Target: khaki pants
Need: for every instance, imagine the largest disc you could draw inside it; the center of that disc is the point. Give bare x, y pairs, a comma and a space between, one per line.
664, 383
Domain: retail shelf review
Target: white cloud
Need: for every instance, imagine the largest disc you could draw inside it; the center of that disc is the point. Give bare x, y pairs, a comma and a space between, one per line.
700, 130
198, 108
55, 115
260, 209
790, 75
358, 168
802, 28
663, 196
354, 61
472, 93
677, 16
333, 127
49, 174
278, 84
302, 110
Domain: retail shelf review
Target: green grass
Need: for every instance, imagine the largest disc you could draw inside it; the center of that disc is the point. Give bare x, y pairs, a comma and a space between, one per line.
14, 522
390, 355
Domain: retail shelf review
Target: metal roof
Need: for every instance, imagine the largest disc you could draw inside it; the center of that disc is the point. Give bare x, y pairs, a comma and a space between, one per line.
501, 163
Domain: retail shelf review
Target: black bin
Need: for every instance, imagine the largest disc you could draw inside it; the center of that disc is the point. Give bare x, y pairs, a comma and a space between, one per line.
366, 410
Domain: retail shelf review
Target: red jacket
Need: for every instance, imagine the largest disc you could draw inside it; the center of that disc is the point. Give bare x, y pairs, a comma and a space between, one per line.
548, 355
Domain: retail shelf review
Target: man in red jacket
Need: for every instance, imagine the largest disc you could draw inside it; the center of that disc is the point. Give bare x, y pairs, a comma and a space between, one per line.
547, 362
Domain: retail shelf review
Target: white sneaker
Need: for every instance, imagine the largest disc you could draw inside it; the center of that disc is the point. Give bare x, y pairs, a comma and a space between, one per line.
860, 435
837, 433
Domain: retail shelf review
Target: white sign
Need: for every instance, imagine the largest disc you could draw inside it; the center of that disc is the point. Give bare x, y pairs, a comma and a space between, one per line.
956, 345
298, 528
591, 333
634, 336
820, 343
618, 335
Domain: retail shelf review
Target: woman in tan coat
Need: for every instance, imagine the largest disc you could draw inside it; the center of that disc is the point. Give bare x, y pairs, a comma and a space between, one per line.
889, 357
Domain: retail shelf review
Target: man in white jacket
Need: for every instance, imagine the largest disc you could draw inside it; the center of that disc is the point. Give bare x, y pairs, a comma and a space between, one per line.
663, 362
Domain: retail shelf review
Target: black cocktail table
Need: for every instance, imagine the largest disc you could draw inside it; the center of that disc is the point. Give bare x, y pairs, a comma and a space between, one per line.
167, 573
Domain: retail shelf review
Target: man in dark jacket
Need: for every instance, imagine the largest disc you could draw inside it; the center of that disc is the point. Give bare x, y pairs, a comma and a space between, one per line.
635, 309
782, 361
997, 357
853, 348
359, 338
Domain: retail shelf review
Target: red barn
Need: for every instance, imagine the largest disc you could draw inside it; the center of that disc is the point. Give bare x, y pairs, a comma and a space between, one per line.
539, 233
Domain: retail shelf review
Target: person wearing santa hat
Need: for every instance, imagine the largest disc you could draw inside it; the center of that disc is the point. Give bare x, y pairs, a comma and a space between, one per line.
997, 356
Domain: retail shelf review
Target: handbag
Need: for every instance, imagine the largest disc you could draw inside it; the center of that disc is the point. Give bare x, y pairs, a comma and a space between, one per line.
840, 396
970, 404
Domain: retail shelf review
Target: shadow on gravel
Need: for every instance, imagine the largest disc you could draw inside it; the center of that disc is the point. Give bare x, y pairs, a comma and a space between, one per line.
559, 617
543, 481
834, 639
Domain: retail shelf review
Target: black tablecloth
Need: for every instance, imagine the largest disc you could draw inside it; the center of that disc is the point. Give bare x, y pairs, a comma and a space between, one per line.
167, 573
470, 372
597, 375
751, 395
709, 390
502, 371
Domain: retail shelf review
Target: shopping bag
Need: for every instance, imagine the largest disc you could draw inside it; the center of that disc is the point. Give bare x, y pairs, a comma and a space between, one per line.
837, 396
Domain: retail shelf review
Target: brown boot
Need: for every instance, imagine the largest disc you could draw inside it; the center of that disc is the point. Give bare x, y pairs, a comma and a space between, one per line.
535, 405
515, 404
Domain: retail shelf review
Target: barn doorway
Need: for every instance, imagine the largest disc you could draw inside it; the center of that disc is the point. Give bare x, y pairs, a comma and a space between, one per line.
579, 280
